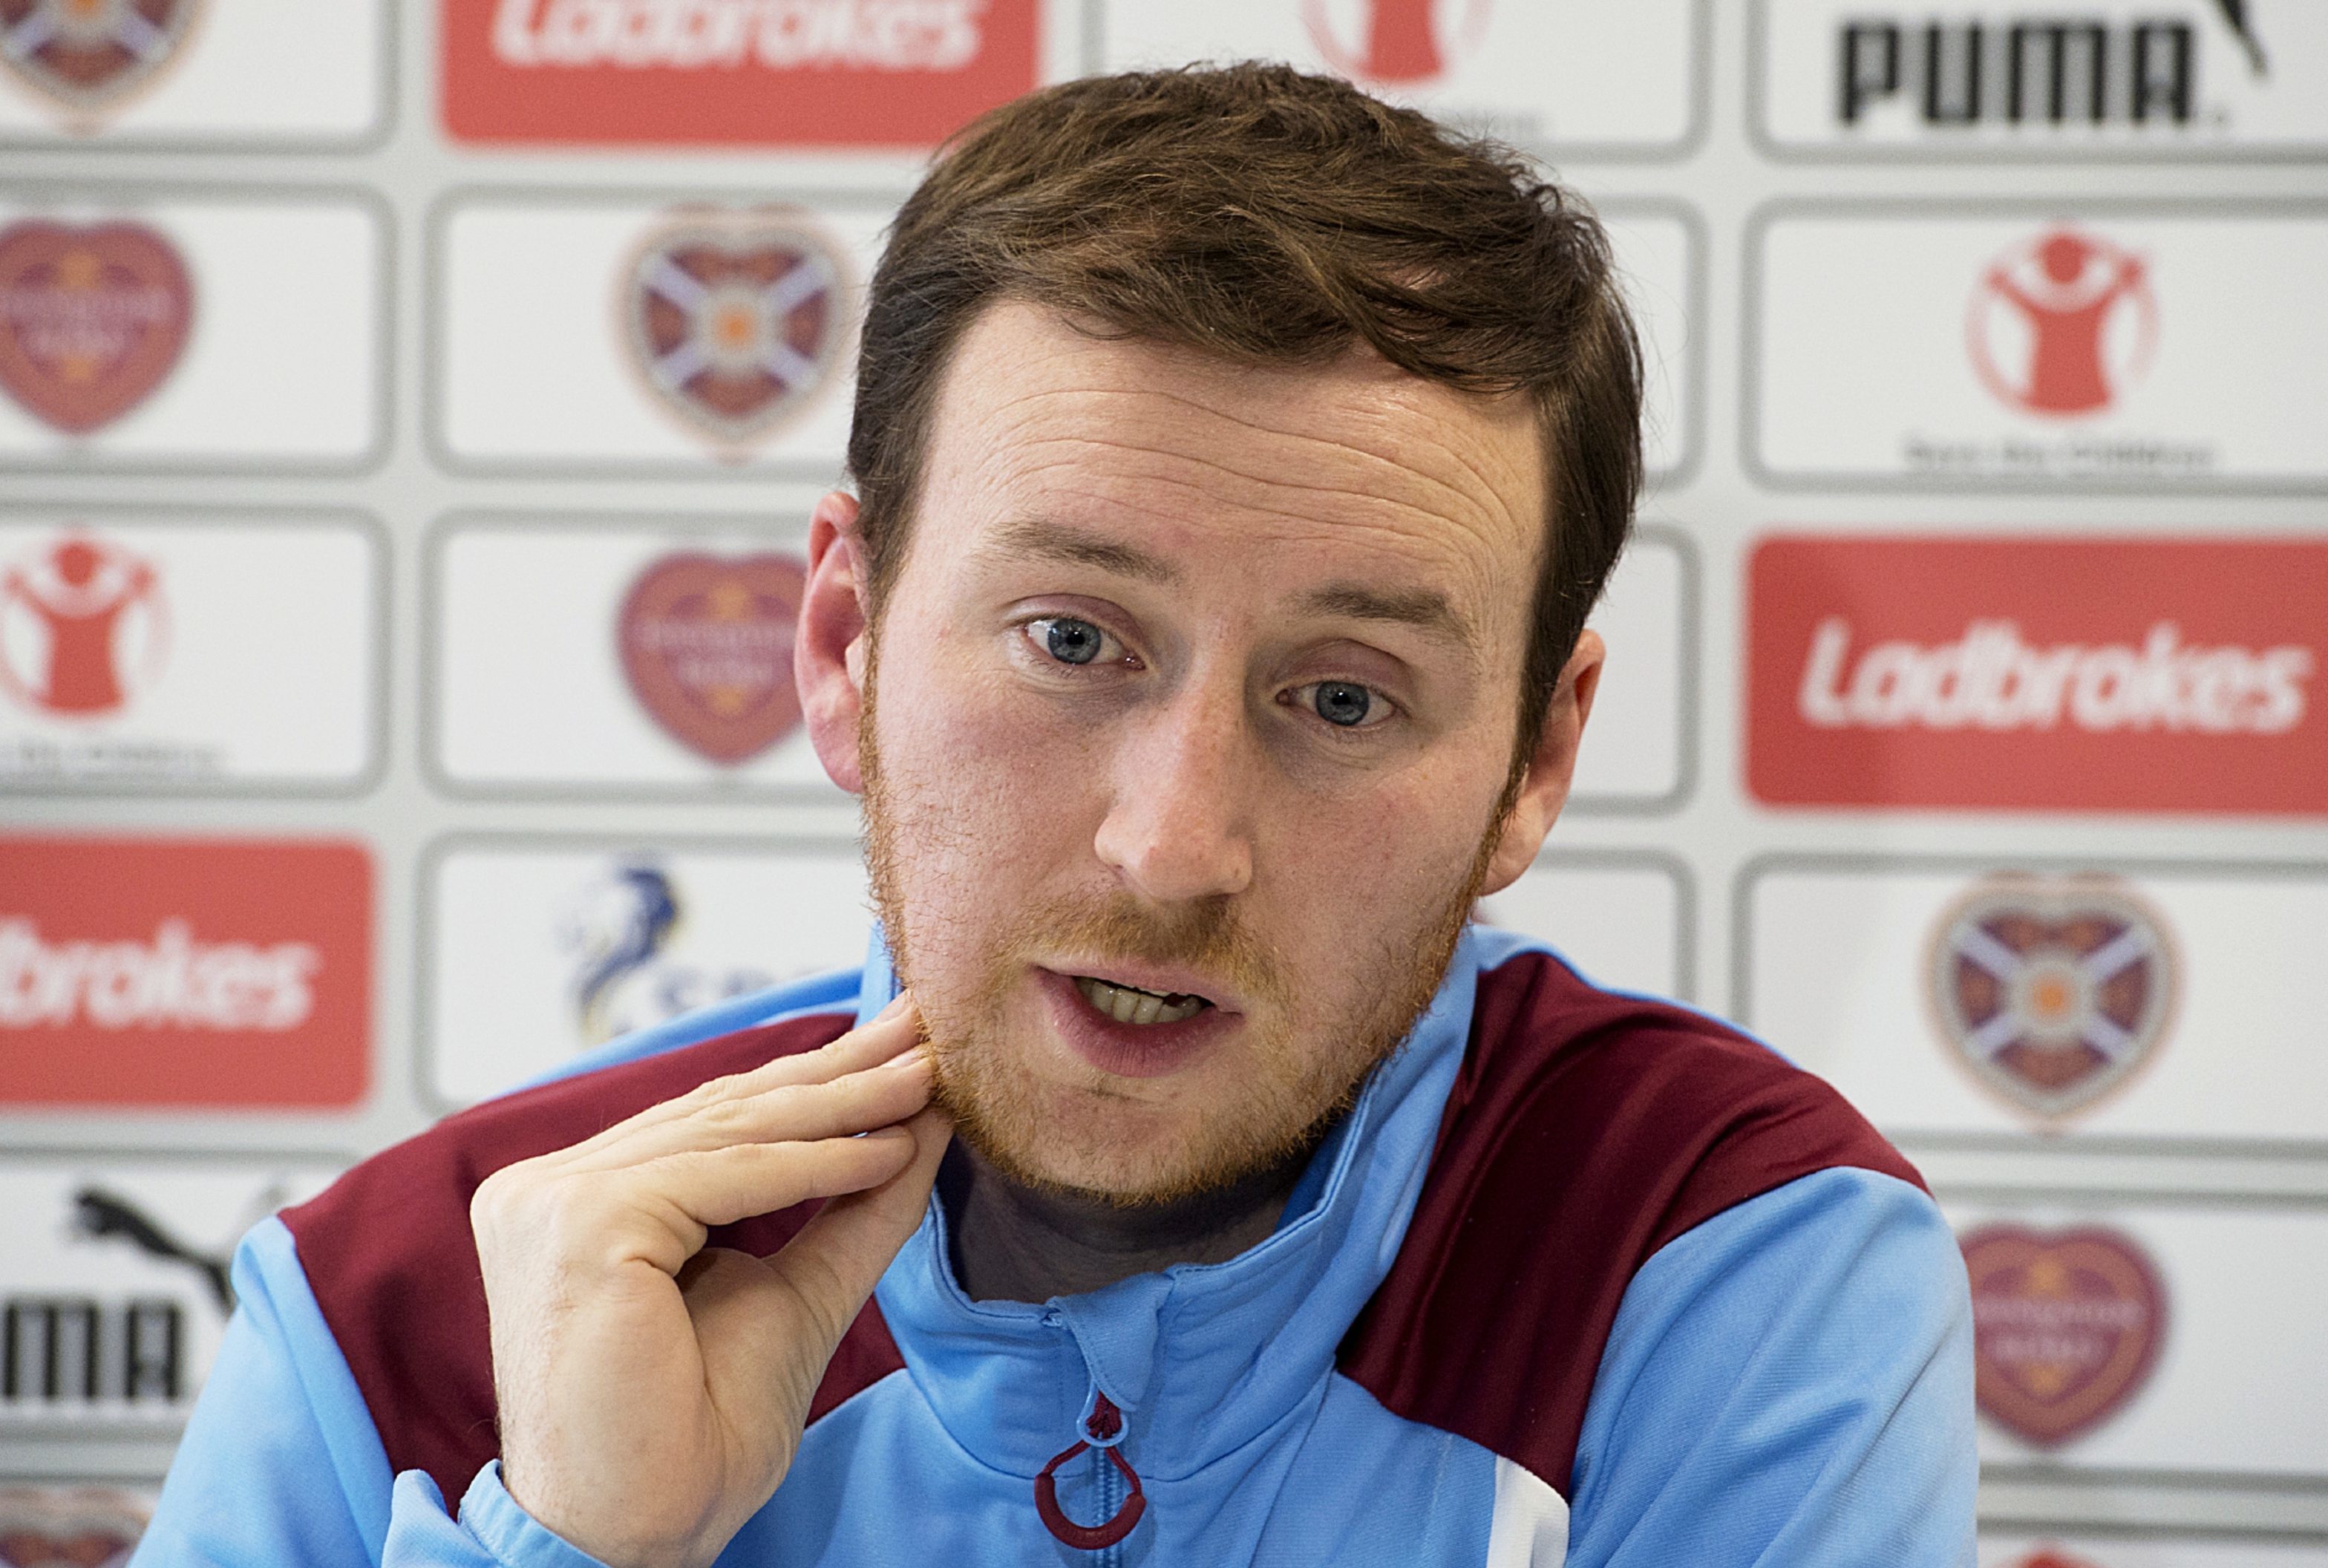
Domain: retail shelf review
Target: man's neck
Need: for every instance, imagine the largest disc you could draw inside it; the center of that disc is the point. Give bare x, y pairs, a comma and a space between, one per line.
1012, 1242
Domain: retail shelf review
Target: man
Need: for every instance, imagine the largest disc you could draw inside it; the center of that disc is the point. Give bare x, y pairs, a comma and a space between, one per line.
1237, 460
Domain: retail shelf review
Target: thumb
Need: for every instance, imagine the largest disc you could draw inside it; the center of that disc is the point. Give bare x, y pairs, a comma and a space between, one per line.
839, 1256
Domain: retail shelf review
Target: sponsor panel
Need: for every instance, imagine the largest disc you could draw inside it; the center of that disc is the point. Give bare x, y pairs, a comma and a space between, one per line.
2125, 1337
1618, 75
72, 1526
201, 72
190, 333
612, 334
2109, 348
1621, 919
539, 951
116, 1293
2157, 1002
216, 973
1637, 751
1657, 253
168, 655
2108, 673
623, 658
1953, 77
764, 73
2147, 1550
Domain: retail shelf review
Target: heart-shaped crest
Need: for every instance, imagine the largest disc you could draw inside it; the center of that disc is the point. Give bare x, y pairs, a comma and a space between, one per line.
2067, 1327
68, 1526
92, 318
707, 644
85, 57
2052, 992
736, 320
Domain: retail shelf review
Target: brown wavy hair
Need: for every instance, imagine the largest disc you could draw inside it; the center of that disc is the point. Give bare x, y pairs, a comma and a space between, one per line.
1269, 216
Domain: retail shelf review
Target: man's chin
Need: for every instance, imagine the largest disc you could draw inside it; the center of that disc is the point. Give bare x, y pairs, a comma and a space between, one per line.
1078, 1143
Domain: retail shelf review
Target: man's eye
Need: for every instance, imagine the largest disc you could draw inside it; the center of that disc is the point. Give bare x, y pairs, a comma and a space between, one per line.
1345, 703
1068, 640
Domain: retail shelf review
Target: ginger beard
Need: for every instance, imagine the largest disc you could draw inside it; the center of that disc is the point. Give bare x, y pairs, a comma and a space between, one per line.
1073, 1129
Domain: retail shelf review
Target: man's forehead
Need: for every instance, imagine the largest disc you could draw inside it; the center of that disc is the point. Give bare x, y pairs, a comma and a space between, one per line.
1051, 434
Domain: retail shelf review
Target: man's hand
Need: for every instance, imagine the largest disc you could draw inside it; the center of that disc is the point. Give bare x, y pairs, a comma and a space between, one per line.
651, 1391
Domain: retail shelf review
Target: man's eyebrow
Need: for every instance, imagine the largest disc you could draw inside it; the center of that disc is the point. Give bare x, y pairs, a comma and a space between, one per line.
1425, 609
1030, 536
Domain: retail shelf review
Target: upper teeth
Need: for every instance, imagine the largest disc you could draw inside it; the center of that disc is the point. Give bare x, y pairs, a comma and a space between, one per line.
1128, 1005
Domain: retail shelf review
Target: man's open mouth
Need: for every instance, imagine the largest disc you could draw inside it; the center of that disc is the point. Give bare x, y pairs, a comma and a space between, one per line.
1130, 1005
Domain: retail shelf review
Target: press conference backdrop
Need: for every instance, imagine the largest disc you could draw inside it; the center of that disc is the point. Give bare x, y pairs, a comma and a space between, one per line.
412, 412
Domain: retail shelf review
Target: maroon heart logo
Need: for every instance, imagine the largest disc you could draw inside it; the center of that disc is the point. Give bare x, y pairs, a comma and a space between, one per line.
2067, 1327
2052, 992
735, 320
707, 646
87, 57
91, 319
2051, 1557
68, 1526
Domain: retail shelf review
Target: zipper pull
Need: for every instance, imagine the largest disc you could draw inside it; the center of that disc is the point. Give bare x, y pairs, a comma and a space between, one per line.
1102, 1429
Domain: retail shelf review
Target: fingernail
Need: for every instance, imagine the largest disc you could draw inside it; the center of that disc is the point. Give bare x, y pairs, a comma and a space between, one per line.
898, 1004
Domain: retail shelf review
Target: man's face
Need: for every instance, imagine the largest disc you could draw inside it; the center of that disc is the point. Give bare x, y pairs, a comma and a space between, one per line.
1196, 700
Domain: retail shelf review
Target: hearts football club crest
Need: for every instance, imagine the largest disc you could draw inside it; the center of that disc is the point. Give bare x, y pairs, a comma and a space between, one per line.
2051, 1557
92, 319
2067, 1327
68, 1528
707, 646
735, 320
2053, 992
87, 56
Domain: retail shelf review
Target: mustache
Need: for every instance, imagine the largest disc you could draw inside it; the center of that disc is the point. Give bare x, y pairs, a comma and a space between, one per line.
1207, 935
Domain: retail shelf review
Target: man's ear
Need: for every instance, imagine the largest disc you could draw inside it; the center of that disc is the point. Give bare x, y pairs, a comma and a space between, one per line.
831, 642
1544, 789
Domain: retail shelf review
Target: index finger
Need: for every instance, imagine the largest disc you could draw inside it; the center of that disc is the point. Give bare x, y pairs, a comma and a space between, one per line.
885, 1036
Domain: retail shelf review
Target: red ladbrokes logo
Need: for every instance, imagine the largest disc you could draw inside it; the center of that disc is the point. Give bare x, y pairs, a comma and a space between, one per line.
1993, 677
757, 73
2077, 674
173, 973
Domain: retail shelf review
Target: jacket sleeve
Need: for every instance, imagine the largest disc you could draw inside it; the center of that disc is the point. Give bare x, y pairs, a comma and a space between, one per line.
282, 1467
1789, 1383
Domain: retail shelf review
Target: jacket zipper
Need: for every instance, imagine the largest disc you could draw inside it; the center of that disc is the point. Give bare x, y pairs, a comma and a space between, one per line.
1111, 1498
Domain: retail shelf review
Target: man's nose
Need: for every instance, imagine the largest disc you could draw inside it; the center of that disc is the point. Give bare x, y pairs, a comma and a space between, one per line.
1179, 827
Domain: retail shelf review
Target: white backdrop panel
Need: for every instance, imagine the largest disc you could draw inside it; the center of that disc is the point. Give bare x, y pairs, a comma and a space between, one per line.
531, 363
1614, 73
539, 951
1619, 924
2238, 102
2001, 1551
2237, 1279
527, 674
205, 1205
247, 70
251, 657
2210, 358
282, 358
1838, 974
1636, 739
